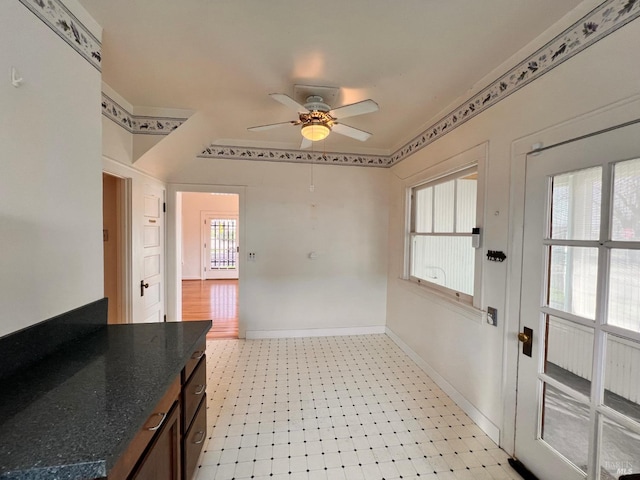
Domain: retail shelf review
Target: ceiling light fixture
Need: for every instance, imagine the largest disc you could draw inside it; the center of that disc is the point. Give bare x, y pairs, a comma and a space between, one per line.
315, 131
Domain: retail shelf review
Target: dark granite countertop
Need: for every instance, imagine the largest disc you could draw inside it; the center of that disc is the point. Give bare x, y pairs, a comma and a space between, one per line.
73, 413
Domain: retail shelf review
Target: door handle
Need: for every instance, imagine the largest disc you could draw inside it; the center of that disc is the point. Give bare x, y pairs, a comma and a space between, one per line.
526, 337
142, 287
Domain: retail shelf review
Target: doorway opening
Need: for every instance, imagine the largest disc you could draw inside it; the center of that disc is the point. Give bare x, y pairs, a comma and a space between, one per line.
114, 233
210, 260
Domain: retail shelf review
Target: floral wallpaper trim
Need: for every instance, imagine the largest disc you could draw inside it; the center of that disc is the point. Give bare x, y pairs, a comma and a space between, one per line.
296, 156
65, 24
597, 24
138, 124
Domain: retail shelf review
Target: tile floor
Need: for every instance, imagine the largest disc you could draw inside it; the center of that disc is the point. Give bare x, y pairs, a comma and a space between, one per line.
335, 408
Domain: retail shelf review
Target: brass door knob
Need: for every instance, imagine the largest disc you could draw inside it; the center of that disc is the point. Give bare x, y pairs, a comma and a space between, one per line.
523, 337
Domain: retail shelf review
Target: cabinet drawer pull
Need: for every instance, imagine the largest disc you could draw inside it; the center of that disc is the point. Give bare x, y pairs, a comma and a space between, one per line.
163, 416
202, 435
200, 389
198, 354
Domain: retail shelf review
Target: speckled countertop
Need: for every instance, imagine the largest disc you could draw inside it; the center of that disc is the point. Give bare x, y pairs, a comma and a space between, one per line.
72, 414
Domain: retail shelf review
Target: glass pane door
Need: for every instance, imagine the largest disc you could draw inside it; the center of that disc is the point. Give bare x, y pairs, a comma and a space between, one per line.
221, 247
223, 252
579, 395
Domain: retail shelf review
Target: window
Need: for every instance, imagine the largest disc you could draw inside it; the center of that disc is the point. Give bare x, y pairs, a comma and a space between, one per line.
443, 214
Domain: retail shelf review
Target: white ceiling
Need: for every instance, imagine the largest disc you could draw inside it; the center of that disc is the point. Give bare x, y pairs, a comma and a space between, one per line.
223, 57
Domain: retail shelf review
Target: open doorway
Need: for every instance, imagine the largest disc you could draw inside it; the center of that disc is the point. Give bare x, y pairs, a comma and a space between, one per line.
114, 201
210, 260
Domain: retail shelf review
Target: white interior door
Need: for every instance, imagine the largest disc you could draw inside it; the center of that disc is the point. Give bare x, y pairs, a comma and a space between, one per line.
578, 412
152, 282
220, 241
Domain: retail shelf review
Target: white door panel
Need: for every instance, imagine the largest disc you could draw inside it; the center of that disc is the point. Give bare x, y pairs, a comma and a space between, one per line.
152, 259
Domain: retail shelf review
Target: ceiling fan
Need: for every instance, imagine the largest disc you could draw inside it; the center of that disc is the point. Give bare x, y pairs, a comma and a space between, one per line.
318, 120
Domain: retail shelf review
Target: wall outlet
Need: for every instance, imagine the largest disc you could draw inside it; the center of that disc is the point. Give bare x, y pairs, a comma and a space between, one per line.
492, 316
251, 256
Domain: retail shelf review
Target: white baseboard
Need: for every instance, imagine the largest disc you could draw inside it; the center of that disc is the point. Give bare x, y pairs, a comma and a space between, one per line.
191, 278
483, 422
314, 332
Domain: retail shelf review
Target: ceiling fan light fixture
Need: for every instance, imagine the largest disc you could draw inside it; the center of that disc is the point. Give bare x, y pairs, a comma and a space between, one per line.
315, 131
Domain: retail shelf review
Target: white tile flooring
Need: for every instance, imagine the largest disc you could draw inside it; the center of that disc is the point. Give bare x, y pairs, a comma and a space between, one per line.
334, 408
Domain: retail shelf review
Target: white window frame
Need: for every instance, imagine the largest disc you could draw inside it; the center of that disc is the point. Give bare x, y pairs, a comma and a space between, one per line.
444, 171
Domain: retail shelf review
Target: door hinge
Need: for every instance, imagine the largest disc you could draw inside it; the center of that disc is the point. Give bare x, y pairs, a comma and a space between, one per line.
164, 207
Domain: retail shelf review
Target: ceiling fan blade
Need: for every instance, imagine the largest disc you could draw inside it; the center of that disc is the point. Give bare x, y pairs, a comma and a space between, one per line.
306, 143
287, 101
260, 128
348, 131
353, 109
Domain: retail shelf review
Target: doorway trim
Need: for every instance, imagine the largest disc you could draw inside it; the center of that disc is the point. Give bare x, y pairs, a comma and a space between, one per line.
174, 245
124, 215
607, 116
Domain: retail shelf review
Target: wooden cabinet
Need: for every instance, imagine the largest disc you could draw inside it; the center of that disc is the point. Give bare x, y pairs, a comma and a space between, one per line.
163, 459
162, 422
194, 411
170, 443
193, 441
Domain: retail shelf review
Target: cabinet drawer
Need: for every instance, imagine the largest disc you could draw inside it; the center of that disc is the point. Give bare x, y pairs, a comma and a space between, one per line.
162, 459
194, 441
193, 392
191, 364
141, 441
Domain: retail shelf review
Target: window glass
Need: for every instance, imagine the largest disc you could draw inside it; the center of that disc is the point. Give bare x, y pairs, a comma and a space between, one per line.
444, 214
444, 195
576, 205
424, 210
446, 261
626, 201
466, 193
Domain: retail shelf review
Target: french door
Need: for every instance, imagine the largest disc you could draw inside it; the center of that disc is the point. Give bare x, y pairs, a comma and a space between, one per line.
578, 400
220, 235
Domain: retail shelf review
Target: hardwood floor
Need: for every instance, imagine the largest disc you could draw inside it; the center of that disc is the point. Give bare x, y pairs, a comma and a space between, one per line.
215, 300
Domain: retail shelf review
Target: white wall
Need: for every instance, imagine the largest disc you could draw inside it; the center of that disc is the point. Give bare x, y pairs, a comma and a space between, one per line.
471, 356
344, 220
193, 205
50, 173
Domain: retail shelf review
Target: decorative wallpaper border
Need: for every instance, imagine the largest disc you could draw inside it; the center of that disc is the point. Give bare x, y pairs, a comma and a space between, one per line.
296, 156
138, 124
65, 24
597, 24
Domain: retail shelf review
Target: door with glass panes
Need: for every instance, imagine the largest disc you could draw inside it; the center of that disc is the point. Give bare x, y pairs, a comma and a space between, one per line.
220, 240
578, 400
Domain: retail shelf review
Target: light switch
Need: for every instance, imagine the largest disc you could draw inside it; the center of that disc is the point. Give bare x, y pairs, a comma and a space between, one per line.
492, 316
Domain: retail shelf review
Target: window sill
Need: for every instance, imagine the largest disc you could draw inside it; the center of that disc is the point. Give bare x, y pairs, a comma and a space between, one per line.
458, 306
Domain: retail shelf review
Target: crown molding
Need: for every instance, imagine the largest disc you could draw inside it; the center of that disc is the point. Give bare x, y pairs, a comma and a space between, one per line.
597, 24
296, 156
138, 124
66, 25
